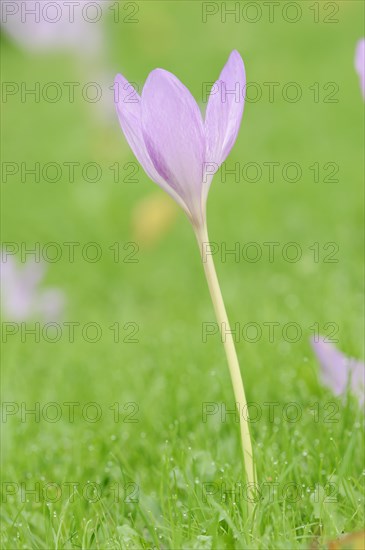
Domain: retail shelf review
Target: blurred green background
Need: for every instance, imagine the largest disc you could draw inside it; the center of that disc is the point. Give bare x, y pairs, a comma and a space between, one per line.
170, 372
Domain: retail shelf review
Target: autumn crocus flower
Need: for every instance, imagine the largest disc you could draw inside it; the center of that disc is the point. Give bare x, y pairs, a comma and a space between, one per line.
338, 371
56, 25
177, 149
360, 63
21, 296
166, 131
59, 26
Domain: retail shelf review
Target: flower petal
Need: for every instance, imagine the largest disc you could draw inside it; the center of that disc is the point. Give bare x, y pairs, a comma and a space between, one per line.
337, 369
128, 105
360, 63
224, 110
173, 131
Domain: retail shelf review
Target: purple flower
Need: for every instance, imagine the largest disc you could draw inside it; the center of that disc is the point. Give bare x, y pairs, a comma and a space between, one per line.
165, 130
21, 299
360, 63
181, 152
338, 371
37, 25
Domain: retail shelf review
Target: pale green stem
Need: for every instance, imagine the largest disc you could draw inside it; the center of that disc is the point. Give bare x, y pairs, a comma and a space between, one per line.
234, 368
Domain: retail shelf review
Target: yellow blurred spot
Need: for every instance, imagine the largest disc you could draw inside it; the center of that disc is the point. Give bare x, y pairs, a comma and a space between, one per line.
353, 541
152, 218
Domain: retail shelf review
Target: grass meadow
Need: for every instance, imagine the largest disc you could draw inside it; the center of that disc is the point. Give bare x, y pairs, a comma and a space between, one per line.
118, 431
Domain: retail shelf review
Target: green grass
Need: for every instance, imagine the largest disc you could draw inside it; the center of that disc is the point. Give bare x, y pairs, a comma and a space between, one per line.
166, 459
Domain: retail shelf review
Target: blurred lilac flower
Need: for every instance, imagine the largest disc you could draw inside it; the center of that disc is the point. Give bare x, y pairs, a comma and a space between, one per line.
338, 370
76, 27
21, 299
166, 132
360, 63
55, 25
